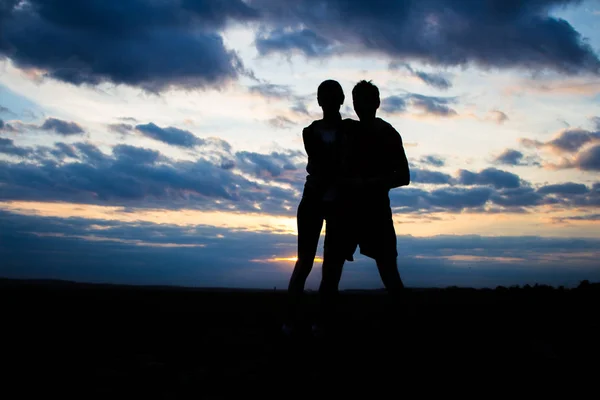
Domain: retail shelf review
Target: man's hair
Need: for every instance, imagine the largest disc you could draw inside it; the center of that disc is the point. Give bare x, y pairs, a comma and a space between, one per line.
331, 89
366, 90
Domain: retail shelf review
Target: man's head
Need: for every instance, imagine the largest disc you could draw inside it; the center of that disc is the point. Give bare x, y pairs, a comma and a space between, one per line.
365, 97
330, 95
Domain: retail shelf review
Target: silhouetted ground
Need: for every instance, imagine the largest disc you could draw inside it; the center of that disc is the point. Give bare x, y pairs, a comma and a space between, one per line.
118, 341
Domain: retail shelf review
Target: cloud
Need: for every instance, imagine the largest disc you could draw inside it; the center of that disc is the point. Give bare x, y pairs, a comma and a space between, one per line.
170, 135
489, 176
63, 150
6, 127
521, 35
280, 122
578, 148
287, 41
436, 161
245, 182
428, 105
176, 42
509, 157
517, 197
393, 105
120, 128
138, 177
127, 119
564, 189
61, 127
567, 141
7, 147
300, 107
596, 121
281, 92
586, 160
272, 165
4, 110
515, 158
271, 90
497, 116
91, 250
578, 218
437, 81
432, 177
436, 106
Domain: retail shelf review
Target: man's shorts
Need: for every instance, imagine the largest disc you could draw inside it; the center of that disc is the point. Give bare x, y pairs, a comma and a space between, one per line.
369, 227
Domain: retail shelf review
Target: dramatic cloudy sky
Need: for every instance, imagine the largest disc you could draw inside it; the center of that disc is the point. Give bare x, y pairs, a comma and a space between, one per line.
159, 141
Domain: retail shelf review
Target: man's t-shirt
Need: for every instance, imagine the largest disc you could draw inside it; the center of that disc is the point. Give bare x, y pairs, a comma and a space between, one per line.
374, 151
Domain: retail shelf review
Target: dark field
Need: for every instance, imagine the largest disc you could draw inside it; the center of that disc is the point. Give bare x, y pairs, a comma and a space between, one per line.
134, 342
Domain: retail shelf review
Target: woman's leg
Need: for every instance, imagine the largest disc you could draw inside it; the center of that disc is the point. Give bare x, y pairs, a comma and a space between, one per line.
310, 223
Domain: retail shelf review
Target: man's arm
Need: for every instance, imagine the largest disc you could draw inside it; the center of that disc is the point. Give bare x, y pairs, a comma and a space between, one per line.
399, 163
397, 172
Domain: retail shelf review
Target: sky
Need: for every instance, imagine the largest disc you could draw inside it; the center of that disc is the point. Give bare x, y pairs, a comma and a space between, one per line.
159, 141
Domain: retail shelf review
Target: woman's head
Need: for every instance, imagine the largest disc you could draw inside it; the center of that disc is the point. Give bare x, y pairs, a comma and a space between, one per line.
330, 95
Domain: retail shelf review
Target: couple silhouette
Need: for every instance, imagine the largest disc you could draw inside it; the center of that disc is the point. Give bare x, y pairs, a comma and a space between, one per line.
352, 165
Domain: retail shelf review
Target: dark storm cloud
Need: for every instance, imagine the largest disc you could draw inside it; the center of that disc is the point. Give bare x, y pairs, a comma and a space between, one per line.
170, 135
61, 127
283, 40
150, 44
489, 176
432, 79
495, 33
178, 43
596, 121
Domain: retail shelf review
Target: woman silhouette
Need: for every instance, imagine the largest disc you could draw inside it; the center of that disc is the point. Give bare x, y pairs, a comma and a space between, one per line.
322, 142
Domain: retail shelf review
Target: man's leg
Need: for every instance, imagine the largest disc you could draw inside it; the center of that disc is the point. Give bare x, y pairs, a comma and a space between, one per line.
333, 265
388, 270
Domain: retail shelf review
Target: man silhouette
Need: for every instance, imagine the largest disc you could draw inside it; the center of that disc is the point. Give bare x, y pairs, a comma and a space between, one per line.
374, 163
